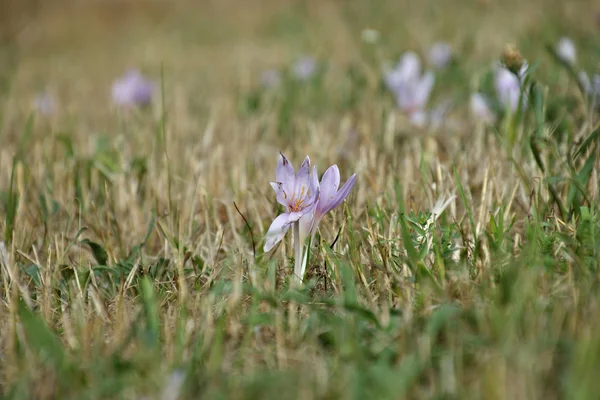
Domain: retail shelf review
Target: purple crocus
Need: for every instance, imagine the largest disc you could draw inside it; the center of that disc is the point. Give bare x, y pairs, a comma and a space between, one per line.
410, 87
270, 78
297, 192
304, 68
132, 89
44, 103
440, 55
565, 49
307, 201
480, 108
508, 86
592, 87
329, 198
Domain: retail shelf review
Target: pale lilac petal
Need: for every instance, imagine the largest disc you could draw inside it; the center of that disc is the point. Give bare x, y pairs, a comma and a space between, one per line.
306, 224
440, 55
285, 174
303, 180
480, 108
296, 215
132, 89
280, 194
329, 203
585, 81
393, 80
508, 88
424, 89
344, 191
314, 182
304, 68
270, 78
45, 104
277, 231
330, 182
409, 66
565, 49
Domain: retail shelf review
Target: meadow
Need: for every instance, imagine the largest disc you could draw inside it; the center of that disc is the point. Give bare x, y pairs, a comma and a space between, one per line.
462, 263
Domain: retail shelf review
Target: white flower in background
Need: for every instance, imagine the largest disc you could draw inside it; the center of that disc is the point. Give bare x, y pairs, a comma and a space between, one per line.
585, 81
270, 78
565, 48
44, 104
480, 109
132, 89
370, 36
410, 87
440, 55
592, 87
304, 68
508, 87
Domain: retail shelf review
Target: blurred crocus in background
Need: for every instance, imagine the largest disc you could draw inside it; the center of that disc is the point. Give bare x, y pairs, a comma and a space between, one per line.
270, 79
565, 49
591, 87
480, 109
410, 87
44, 103
508, 86
304, 68
440, 55
132, 89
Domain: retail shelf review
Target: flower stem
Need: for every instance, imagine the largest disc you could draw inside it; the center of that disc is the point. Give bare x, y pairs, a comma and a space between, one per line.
297, 253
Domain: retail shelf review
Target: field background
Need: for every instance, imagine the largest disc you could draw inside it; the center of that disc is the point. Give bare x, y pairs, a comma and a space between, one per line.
127, 271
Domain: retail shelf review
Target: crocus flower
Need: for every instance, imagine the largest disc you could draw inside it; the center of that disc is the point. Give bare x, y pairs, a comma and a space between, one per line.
440, 55
565, 49
44, 103
304, 68
329, 198
132, 89
306, 201
297, 192
410, 87
480, 108
592, 87
508, 86
270, 78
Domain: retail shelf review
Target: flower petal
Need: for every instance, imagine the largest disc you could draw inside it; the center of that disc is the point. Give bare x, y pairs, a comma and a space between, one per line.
302, 183
306, 224
280, 194
409, 66
423, 90
344, 191
314, 184
277, 231
330, 183
285, 174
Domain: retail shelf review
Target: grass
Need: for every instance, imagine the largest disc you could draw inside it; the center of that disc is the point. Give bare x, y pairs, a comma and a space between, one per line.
131, 256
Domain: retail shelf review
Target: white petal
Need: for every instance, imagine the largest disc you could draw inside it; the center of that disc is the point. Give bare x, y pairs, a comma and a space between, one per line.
277, 231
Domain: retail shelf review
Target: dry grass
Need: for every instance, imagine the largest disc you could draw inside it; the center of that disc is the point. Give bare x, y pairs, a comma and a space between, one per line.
503, 305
